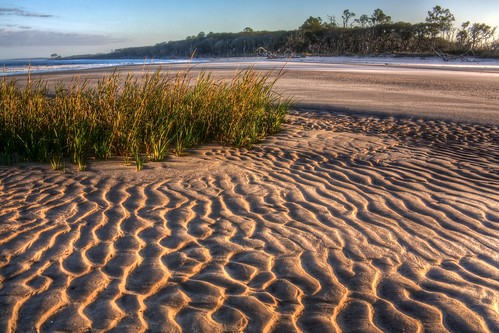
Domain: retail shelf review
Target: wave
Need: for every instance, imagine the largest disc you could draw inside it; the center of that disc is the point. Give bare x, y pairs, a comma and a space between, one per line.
36, 66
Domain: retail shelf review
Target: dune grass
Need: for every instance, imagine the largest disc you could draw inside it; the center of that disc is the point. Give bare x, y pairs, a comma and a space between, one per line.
140, 119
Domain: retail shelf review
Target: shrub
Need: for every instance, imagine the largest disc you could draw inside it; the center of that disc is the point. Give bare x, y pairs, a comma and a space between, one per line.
132, 117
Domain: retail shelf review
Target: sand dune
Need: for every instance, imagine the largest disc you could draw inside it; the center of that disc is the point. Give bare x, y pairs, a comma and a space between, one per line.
337, 224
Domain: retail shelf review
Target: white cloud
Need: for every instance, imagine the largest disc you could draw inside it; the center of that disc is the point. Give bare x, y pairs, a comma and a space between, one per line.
21, 12
17, 38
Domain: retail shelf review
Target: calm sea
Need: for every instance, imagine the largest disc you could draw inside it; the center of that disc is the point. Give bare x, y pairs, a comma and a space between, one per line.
23, 66
17, 67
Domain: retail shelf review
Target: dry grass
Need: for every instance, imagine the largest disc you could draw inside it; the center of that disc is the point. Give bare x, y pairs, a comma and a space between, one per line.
140, 119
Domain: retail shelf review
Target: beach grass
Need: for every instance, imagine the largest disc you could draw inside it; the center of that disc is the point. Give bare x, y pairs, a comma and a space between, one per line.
138, 118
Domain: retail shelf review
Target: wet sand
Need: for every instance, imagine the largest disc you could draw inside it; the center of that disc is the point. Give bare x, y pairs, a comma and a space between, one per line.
375, 209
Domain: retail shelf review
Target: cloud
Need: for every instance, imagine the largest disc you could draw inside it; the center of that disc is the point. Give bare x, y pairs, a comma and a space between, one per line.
21, 12
23, 27
17, 38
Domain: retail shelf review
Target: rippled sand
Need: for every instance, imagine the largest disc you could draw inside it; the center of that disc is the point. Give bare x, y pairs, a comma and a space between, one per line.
338, 223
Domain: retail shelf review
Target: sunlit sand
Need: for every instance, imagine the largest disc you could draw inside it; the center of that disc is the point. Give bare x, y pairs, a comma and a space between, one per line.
375, 209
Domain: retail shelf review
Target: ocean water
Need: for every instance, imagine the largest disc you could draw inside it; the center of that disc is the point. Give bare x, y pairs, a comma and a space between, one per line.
34, 66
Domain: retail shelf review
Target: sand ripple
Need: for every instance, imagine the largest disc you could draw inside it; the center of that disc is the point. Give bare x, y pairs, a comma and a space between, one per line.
339, 223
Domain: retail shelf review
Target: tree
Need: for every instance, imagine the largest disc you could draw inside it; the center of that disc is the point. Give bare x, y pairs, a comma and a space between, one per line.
475, 36
480, 35
375, 34
332, 21
363, 20
379, 17
312, 24
441, 20
347, 15
463, 35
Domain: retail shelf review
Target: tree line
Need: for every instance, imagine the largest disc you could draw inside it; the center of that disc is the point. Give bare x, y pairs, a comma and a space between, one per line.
363, 35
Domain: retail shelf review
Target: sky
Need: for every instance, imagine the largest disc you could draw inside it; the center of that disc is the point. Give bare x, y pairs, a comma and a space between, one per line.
39, 28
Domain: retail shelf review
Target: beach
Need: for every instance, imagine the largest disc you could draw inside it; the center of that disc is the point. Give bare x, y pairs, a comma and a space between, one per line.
375, 209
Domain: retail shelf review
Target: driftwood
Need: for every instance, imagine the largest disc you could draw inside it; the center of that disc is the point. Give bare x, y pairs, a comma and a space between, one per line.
448, 57
262, 52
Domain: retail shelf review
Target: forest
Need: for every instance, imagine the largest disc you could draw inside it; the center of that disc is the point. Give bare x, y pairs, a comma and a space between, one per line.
373, 34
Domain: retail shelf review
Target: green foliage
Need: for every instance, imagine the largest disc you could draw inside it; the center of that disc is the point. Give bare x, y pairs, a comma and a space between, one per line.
440, 20
347, 15
313, 24
368, 34
379, 17
476, 36
135, 118
56, 161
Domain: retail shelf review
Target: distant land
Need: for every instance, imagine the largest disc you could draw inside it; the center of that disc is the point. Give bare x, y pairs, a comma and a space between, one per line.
373, 35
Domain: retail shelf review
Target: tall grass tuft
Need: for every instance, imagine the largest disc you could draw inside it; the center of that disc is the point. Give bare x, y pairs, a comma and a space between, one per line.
136, 117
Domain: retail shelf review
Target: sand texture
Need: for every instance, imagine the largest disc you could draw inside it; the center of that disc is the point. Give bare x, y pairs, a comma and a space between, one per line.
339, 223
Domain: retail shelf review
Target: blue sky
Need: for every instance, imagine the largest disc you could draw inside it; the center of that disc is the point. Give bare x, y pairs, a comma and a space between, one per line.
38, 28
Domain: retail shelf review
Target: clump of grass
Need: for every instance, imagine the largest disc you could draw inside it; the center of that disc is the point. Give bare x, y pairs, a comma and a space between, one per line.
136, 117
56, 162
139, 161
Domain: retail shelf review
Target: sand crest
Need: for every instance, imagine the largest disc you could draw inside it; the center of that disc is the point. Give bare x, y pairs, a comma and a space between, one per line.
339, 223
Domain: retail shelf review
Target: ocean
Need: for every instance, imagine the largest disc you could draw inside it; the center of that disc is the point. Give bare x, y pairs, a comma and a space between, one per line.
34, 66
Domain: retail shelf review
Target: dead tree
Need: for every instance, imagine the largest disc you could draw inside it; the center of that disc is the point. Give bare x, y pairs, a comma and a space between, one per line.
448, 57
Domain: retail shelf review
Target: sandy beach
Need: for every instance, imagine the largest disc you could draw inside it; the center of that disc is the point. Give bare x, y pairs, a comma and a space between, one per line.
376, 209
